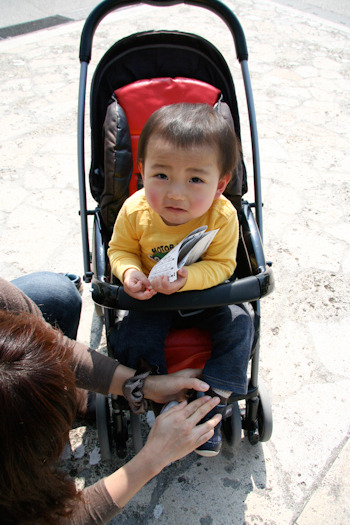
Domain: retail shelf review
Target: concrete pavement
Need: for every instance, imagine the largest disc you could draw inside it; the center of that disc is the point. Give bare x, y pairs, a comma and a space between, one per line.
300, 67
22, 11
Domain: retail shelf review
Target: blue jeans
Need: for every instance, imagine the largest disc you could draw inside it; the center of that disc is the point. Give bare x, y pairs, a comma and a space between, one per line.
142, 334
57, 298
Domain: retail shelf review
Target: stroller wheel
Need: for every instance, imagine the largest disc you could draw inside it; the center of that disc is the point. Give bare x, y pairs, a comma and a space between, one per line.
120, 432
104, 426
264, 414
232, 427
135, 424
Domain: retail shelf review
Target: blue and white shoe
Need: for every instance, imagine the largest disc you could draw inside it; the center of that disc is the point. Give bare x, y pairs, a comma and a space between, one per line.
168, 406
213, 446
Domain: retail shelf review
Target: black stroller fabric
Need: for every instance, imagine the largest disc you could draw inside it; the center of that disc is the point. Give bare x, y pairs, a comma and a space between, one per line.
148, 55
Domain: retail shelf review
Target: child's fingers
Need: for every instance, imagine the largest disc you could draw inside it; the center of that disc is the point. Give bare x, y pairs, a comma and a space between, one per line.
164, 281
144, 295
136, 286
149, 292
183, 272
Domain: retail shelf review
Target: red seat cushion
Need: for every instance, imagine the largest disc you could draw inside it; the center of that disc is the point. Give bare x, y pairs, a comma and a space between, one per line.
189, 348
143, 97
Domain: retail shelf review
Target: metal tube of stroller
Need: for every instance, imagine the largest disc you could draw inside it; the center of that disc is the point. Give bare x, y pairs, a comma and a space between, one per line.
255, 145
254, 373
216, 6
81, 171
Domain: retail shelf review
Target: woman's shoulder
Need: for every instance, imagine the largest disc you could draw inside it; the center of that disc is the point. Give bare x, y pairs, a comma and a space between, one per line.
13, 299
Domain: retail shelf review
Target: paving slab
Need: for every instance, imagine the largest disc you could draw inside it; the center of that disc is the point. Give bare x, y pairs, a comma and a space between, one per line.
330, 501
300, 68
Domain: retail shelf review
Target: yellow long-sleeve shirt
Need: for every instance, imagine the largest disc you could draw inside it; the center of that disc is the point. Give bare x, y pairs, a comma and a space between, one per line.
140, 238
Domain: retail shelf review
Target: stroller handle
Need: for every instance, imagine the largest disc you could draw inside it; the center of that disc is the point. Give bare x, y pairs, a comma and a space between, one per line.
216, 6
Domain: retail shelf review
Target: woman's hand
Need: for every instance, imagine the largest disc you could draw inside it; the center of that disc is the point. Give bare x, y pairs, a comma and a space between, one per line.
176, 433
165, 388
137, 285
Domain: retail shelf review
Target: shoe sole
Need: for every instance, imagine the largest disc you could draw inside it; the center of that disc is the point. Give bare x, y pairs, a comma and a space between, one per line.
207, 453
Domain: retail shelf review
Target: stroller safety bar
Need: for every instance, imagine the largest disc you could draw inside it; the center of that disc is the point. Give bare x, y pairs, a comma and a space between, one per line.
239, 291
217, 7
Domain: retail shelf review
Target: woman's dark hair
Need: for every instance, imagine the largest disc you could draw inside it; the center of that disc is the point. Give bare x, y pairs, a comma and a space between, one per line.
37, 409
187, 125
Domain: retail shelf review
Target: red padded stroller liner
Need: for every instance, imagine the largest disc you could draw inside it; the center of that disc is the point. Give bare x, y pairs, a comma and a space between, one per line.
143, 97
189, 348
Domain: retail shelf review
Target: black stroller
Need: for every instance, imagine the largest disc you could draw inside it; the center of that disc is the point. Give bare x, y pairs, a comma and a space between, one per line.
194, 64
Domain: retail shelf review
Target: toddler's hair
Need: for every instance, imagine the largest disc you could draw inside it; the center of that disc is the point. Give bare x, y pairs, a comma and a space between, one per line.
188, 125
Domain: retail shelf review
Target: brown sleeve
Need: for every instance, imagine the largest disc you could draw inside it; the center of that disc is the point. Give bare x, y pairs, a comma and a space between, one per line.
95, 508
14, 300
93, 370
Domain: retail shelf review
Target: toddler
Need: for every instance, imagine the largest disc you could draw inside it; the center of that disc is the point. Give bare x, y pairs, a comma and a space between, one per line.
186, 155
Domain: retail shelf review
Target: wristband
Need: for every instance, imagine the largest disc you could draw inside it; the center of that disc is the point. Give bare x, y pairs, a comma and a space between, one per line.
133, 393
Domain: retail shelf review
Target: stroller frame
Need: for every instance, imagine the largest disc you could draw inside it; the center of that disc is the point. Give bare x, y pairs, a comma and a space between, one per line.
256, 420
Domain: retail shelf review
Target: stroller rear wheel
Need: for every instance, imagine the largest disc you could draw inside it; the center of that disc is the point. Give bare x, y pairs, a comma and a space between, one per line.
258, 420
111, 428
264, 414
104, 427
232, 427
135, 423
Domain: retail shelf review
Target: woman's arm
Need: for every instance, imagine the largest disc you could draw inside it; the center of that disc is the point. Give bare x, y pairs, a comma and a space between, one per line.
161, 388
174, 434
99, 373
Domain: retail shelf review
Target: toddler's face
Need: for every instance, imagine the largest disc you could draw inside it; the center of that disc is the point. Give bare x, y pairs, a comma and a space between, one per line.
181, 184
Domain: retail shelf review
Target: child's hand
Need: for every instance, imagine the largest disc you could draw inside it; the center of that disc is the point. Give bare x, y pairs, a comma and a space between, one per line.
137, 285
162, 285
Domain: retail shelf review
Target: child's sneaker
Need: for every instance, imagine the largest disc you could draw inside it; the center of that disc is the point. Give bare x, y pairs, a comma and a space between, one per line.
168, 406
213, 446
